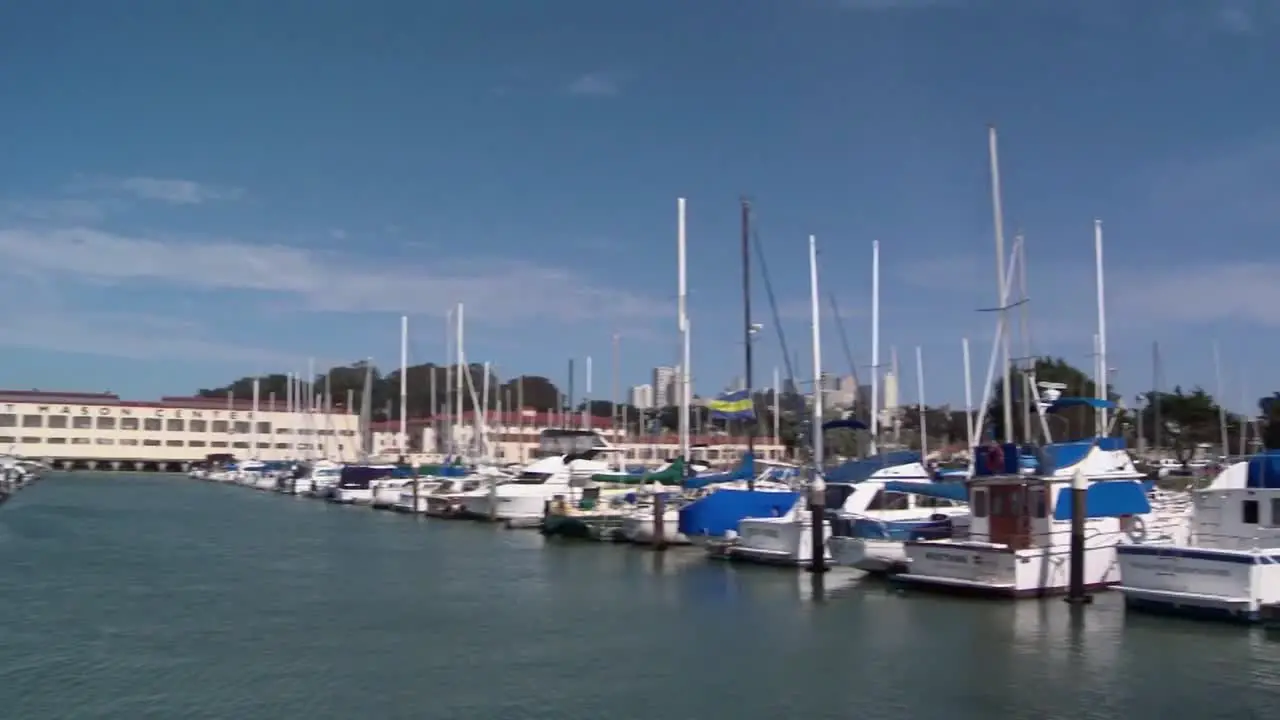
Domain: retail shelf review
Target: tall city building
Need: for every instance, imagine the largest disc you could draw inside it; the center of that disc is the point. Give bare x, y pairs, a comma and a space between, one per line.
665, 392
642, 396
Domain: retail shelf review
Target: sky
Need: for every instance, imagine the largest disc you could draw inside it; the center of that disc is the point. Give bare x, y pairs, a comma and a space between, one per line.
193, 192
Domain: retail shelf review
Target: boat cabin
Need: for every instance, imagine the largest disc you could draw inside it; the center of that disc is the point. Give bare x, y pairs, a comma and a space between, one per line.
554, 441
1241, 509
1022, 505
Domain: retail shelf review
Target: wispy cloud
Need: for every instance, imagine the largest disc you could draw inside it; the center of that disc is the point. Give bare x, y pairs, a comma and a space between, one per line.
168, 190
501, 290
1243, 292
594, 84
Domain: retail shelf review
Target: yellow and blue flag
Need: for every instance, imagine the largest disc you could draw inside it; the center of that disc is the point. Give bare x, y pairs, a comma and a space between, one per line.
734, 405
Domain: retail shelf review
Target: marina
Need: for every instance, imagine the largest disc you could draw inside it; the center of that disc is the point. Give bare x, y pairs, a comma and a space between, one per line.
194, 599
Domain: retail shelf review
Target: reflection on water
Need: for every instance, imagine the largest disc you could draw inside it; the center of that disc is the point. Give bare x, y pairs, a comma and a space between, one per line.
153, 597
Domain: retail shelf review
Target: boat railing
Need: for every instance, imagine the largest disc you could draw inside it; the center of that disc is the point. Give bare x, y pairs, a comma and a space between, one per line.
1254, 543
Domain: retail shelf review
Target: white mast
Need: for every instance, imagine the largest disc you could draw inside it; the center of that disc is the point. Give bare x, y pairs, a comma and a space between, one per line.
586, 399
1001, 286
288, 409
461, 360
1103, 369
683, 324
1222, 409
448, 382
777, 404
920, 406
874, 420
968, 395
816, 432
404, 384
311, 408
253, 420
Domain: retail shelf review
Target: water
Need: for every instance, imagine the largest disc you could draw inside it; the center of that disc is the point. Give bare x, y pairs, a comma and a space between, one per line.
162, 597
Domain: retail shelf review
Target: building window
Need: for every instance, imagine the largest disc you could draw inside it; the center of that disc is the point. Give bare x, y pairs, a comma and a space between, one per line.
174, 425
8, 420
240, 444
242, 428
106, 423
82, 422
218, 443
32, 421
195, 443
151, 424
173, 443
264, 446
129, 441
149, 442
283, 431
80, 441
282, 446
198, 426
264, 428
56, 421
128, 423
105, 441
219, 426
31, 441
51, 441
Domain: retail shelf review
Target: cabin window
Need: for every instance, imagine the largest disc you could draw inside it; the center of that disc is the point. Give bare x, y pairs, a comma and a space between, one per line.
888, 500
1036, 498
979, 503
1250, 514
1275, 512
933, 502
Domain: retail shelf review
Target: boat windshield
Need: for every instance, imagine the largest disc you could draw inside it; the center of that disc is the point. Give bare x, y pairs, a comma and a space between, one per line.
531, 478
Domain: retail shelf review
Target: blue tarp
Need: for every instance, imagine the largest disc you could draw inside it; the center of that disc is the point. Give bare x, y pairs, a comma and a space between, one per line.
1095, 403
1263, 471
722, 510
745, 471
947, 491
856, 471
1106, 498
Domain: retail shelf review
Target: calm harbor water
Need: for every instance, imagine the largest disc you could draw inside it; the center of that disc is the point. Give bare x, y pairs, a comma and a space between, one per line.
161, 597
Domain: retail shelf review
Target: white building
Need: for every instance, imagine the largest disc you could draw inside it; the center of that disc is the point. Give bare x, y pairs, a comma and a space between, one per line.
642, 396
665, 392
97, 429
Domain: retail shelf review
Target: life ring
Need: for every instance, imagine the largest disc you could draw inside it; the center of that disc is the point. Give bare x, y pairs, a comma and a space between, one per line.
995, 458
1135, 528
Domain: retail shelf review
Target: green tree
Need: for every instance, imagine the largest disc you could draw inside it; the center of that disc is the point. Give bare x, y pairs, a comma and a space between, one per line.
1187, 419
1069, 422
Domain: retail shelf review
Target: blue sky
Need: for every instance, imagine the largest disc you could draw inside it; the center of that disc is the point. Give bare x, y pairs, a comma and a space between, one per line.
197, 191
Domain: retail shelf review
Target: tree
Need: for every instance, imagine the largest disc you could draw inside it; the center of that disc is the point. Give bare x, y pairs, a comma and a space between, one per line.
1069, 422
1187, 419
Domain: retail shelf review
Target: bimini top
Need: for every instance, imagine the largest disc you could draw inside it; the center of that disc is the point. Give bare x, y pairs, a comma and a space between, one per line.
1263, 471
856, 471
1049, 459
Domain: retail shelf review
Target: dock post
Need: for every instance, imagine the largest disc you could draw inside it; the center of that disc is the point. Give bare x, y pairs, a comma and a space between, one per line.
659, 521
817, 508
1079, 513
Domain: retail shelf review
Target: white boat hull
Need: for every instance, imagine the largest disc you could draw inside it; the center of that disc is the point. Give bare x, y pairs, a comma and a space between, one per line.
638, 528
1229, 584
988, 569
873, 556
776, 541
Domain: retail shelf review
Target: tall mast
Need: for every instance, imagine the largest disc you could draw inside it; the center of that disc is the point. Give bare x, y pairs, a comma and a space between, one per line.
747, 331
683, 320
1103, 369
1002, 294
404, 385
874, 423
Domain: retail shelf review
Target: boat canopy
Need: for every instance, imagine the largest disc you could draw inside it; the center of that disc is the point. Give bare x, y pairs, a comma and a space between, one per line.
1095, 403
1263, 471
855, 471
1105, 498
745, 471
943, 490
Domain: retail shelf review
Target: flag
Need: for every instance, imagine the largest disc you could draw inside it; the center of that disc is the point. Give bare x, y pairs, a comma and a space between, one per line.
735, 405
